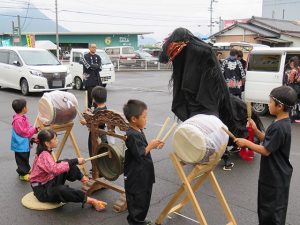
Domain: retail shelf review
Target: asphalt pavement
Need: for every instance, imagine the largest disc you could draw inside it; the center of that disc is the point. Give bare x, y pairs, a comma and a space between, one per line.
239, 185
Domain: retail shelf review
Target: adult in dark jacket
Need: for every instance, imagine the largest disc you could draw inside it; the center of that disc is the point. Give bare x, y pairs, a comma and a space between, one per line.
91, 71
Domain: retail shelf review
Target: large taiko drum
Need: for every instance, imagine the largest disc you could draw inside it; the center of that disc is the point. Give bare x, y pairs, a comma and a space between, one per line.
198, 138
57, 107
111, 167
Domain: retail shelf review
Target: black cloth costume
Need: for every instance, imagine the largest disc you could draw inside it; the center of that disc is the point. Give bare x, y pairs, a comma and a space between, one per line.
139, 177
91, 73
198, 84
275, 174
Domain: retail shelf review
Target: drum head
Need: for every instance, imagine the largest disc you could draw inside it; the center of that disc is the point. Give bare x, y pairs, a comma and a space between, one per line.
189, 144
110, 168
45, 111
198, 138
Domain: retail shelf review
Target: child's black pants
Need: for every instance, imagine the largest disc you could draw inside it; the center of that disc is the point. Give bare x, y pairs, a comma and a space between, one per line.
56, 190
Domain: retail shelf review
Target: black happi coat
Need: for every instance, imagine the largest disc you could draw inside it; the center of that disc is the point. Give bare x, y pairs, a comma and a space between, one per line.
91, 69
138, 167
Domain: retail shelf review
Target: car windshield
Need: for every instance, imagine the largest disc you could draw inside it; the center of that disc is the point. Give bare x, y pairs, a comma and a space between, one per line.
128, 50
144, 54
38, 58
104, 58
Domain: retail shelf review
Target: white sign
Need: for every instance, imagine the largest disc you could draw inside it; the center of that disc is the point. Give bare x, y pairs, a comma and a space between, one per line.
124, 39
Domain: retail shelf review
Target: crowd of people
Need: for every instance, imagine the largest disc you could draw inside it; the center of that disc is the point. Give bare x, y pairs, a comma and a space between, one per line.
47, 177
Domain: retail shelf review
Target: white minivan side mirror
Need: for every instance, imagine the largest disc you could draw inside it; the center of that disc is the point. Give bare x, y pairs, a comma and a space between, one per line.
16, 63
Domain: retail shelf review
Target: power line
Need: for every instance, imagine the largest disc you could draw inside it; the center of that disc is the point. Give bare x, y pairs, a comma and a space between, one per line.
126, 17
27, 8
26, 14
90, 22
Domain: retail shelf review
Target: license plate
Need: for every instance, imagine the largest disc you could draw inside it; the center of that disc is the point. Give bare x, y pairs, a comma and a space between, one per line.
57, 83
128, 58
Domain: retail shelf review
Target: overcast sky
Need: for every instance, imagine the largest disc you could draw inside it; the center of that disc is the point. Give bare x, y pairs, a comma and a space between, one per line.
158, 16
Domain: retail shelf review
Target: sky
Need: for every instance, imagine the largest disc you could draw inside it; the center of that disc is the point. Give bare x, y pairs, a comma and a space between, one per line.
158, 16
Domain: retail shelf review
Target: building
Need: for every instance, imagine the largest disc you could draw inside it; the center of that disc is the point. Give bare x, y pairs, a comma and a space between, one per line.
271, 32
283, 9
68, 40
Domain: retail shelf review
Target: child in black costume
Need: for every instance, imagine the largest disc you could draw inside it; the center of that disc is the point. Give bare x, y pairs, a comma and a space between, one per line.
99, 96
138, 166
275, 168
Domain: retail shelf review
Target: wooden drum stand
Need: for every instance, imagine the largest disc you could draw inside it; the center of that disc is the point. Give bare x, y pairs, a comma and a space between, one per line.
198, 174
112, 120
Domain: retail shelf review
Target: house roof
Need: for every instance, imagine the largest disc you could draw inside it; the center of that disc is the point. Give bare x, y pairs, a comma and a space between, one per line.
266, 27
256, 29
274, 40
276, 24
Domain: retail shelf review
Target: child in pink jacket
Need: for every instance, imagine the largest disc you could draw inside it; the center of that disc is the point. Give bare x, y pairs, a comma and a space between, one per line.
22, 132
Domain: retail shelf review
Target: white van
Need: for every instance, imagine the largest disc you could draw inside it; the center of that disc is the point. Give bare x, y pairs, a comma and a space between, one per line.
32, 70
266, 70
107, 74
121, 55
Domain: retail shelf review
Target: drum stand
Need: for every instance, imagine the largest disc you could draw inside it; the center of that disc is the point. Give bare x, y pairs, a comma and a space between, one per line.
111, 120
67, 128
199, 173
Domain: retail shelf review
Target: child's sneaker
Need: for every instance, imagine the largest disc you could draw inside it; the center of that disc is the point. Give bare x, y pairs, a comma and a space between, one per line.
24, 177
228, 166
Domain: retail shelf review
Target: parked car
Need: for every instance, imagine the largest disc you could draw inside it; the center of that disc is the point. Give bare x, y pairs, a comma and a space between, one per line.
121, 55
155, 52
144, 59
107, 74
266, 70
32, 70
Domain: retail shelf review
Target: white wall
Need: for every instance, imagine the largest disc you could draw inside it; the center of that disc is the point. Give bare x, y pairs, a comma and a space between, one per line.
296, 41
281, 9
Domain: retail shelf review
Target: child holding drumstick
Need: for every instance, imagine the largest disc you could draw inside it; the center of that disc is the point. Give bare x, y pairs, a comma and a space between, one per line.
48, 177
138, 166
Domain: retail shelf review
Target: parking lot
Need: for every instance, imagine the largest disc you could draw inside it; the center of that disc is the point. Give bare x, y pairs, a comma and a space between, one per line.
239, 185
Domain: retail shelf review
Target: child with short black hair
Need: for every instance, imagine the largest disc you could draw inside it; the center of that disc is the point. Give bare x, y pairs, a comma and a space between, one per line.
22, 132
275, 168
48, 177
138, 166
99, 96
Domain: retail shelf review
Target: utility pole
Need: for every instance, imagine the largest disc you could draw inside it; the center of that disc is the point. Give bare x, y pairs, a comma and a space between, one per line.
57, 40
210, 9
19, 33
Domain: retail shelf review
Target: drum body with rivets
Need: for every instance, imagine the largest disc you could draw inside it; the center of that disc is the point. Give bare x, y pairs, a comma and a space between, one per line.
57, 107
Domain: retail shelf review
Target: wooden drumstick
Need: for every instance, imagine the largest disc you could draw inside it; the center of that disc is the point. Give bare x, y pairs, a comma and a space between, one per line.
229, 133
86, 100
79, 113
169, 132
163, 128
249, 110
97, 156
